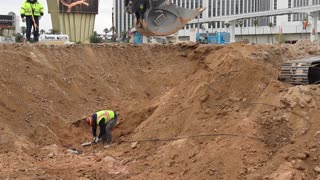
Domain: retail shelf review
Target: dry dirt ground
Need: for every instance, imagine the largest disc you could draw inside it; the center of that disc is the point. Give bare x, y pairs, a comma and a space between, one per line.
186, 112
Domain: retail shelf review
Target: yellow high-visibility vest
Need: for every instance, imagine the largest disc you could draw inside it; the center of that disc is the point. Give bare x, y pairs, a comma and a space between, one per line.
107, 116
26, 9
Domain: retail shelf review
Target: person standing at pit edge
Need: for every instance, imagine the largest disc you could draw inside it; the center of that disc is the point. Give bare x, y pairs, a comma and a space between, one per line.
105, 119
31, 12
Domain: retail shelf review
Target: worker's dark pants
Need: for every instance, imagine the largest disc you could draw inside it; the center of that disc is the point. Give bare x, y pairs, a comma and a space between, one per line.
29, 27
109, 126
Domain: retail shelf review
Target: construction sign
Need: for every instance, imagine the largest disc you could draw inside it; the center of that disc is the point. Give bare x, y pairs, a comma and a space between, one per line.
6, 21
79, 6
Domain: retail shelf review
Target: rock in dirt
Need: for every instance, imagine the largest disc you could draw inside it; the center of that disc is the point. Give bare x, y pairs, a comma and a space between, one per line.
211, 172
286, 156
107, 146
108, 159
301, 156
317, 133
109, 162
50, 155
134, 145
84, 178
73, 151
317, 169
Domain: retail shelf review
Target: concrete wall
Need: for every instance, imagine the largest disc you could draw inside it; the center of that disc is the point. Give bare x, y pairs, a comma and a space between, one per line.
272, 39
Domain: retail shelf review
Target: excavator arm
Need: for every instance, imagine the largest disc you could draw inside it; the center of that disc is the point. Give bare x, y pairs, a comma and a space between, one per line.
159, 17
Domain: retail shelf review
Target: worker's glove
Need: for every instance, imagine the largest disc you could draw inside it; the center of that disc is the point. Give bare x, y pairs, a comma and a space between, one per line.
24, 19
95, 140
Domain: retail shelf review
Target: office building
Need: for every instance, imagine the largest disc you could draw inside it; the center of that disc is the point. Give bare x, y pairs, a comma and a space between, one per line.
246, 28
123, 21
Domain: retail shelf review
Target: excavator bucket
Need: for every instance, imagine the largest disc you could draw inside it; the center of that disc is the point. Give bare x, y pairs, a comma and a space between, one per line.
161, 17
301, 72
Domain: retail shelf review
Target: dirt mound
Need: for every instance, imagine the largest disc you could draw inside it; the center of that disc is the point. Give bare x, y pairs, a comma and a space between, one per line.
186, 112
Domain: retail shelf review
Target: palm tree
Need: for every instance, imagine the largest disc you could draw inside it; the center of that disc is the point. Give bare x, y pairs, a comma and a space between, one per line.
255, 22
114, 30
106, 31
270, 26
240, 24
42, 31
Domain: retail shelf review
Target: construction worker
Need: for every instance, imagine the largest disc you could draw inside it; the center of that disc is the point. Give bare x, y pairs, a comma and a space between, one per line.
31, 12
105, 119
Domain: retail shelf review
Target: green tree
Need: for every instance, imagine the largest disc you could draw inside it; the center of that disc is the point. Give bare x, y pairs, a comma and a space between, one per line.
18, 37
114, 34
281, 38
255, 22
240, 24
94, 38
270, 26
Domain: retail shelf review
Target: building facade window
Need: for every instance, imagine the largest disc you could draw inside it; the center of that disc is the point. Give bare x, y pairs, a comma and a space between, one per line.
201, 5
241, 7
227, 7
214, 7
210, 9
245, 6
237, 7
218, 7
232, 7
223, 8
289, 6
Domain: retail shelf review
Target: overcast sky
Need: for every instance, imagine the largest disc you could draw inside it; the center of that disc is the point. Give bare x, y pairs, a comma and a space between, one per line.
103, 19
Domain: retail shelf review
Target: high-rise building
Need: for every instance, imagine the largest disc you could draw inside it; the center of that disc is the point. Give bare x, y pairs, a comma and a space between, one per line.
215, 8
123, 21
300, 3
229, 7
